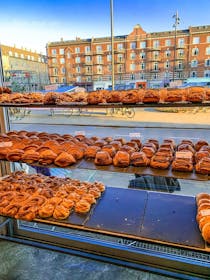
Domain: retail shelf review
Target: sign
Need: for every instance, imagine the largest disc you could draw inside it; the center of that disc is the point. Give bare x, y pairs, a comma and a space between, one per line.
79, 133
51, 87
135, 134
187, 155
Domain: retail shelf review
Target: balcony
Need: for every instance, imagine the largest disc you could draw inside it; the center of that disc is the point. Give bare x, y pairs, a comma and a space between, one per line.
88, 53
179, 69
119, 51
119, 61
155, 70
180, 46
153, 49
180, 57
154, 59
99, 72
98, 62
98, 52
87, 73
88, 63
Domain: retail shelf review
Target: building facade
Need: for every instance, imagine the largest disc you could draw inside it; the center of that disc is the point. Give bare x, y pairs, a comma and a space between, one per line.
158, 57
24, 70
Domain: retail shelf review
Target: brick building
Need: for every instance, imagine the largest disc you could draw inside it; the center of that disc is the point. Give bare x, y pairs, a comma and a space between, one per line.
158, 57
23, 69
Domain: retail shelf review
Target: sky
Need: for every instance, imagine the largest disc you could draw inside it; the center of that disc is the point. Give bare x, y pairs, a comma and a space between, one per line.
32, 24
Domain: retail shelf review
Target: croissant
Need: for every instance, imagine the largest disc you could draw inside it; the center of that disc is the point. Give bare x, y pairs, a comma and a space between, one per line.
91, 152
15, 155
47, 157
61, 212
30, 156
82, 206
64, 159
76, 152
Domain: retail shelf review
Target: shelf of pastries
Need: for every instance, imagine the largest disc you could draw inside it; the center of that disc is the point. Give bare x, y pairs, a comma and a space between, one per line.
185, 159
164, 97
141, 215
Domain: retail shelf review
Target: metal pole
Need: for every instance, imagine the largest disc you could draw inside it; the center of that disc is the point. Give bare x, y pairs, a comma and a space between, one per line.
177, 20
1, 69
112, 41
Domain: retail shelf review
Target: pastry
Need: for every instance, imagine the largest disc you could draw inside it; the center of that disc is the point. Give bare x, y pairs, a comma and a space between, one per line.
76, 152
130, 97
139, 159
91, 151
82, 207
151, 96
182, 164
203, 166
47, 157
61, 212
160, 162
206, 232
110, 149
95, 97
14, 155
121, 159
200, 144
113, 96
103, 158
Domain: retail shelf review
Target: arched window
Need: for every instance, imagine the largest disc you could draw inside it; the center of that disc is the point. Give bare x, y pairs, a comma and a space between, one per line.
195, 51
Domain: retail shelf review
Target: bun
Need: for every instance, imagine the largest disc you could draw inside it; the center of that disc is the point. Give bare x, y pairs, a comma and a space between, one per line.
121, 159
103, 158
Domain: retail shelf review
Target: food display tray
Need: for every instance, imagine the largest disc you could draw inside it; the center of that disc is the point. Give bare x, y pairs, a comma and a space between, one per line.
108, 105
141, 215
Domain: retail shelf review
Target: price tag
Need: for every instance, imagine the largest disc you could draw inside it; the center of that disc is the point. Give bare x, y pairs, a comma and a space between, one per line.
6, 144
187, 155
82, 132
135, 134
205, 212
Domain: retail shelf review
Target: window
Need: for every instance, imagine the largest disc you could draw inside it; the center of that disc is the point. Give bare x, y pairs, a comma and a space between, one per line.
62, 60
132, 55
109, 47
63, 70
133, 45
180, 53
155, 54
167, 53
109, 57
78, 69
77, 50
54, 52
55, 80
88, 69
10, 53
78, 79
68, 54
181, 42
98, 48
180, 75
32, 57
88, 79
167, 75
155, 76
87, 49
142, 55
132, 66
132, 77
99, 69
193, 74
142, 66
88, 58
167, 64
207, 73
61, 51
99, 58
142, 45
207, 62
208, 50
120, 68
55, 71
194, 63
16, 54
63, 80
109, 68
77, 59
167, 42
28, 57
156, 44
195, 51
39, 59
142, 76
120, 46
208, 39
22, 55
196, 40
120, 58
179, 65
155, 66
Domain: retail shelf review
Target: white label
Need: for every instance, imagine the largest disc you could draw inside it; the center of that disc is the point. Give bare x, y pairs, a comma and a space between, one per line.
5, 144
79, 133
135, 134
187, 155
205, 212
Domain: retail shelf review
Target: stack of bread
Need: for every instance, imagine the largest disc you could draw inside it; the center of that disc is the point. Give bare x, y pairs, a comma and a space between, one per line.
203, 215
131, 96
29, 196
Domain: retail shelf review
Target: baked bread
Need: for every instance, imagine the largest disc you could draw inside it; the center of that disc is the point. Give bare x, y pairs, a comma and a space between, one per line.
95, 97
103, 158
200, 144
91, 151
182, 164
203, 166
160, 161
173, 95
14, 155
64, 159
206, 232
110, 149
130, 97
128, 149
47, 157
195, 94
139, 159
113, 96
121, 159
151, 96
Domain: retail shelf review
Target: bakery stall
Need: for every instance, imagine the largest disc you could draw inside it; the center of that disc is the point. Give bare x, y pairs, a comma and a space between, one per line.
164, 228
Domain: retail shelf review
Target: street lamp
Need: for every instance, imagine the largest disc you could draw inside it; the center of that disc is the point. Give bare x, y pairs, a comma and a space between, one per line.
112, 40
176, 23
1, 69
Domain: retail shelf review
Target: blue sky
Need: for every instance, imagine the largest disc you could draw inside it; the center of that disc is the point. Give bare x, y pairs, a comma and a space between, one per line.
33, 24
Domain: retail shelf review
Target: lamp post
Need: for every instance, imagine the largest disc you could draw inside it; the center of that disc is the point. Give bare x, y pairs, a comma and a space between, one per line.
1, 69
112, 40
176, 23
